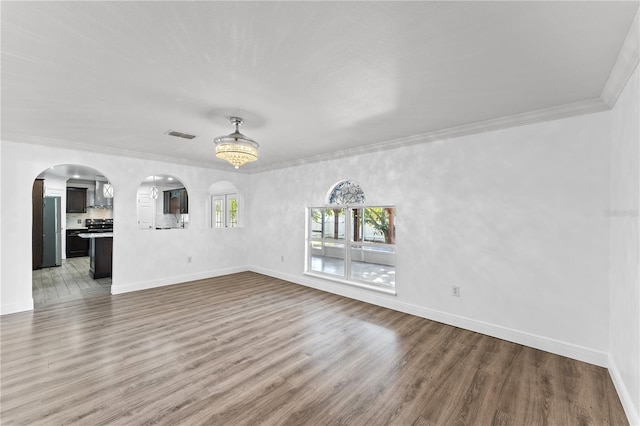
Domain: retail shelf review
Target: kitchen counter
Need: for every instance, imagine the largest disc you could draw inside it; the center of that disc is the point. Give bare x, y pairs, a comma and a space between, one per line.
92, 235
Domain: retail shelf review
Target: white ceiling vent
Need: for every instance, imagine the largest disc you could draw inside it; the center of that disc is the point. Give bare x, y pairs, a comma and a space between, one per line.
179, 134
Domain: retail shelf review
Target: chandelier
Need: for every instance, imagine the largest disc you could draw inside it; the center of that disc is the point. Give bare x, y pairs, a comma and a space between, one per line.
236, 148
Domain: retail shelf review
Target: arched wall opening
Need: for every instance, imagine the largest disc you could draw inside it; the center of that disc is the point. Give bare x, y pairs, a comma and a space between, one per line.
162, 203
72, 233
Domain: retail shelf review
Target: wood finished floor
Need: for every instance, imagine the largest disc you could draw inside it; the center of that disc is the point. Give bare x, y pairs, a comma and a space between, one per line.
71, 280
246, 349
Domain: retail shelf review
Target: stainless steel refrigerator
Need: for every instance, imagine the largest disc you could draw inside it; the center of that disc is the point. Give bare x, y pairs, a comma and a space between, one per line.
51, 232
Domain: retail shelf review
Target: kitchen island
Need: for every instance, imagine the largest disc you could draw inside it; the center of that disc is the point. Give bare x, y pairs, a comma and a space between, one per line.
100, 253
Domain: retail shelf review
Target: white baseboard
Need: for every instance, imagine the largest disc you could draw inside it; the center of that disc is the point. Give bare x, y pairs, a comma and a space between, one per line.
557, 347
144, 285
12, 308
623, 393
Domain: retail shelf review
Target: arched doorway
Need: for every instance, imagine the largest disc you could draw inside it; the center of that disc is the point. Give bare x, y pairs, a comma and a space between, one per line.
72, 234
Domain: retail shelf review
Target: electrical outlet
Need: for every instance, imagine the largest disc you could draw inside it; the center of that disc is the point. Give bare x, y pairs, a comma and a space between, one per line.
281, 258
79, 221
455, 291
189, 259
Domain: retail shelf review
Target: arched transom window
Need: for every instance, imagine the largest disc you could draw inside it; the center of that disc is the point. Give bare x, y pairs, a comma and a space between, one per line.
346, 192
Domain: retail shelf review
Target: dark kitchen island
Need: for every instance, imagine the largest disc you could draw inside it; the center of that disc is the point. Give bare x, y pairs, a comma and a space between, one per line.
100, 253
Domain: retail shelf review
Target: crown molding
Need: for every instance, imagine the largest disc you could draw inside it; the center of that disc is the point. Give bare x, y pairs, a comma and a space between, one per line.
98, 149
547, 114
625, 65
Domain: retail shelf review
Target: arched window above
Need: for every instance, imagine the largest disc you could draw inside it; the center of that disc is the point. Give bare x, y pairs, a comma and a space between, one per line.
346, 192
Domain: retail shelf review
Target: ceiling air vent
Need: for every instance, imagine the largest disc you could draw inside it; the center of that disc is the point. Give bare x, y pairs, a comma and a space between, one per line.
179, 134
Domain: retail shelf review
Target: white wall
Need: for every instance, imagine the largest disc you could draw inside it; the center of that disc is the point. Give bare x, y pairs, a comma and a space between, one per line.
141, 259
624, 322
514, 217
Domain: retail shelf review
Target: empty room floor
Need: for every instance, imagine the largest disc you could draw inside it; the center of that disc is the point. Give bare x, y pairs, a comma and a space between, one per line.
246, 349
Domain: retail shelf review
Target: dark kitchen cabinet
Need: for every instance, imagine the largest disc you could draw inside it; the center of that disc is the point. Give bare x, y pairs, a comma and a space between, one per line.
36, 227
176, 201
76, 246
100, 260
76, 200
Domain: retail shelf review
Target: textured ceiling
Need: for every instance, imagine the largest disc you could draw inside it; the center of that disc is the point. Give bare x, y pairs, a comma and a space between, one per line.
309, 78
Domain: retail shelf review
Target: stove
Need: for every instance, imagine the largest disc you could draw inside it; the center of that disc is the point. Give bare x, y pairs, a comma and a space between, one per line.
99, 225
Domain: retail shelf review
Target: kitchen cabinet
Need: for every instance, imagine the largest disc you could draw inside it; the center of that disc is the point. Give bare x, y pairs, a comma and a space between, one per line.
76, 246
101, 253
36, 227
76, 200
176, 201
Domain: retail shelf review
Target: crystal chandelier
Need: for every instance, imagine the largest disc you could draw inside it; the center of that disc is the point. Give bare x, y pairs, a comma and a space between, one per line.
236, 148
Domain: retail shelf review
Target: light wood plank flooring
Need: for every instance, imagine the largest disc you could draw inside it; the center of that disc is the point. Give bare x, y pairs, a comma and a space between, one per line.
246, 349
71, 280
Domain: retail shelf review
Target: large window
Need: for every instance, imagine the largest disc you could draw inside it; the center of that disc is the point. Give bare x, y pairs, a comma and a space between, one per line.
353, 243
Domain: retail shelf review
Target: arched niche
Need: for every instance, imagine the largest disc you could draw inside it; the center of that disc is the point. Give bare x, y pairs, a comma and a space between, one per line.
226, 206
163, 203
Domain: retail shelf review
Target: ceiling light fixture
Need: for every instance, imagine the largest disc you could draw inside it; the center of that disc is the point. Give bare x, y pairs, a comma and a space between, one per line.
236, 148
153, 192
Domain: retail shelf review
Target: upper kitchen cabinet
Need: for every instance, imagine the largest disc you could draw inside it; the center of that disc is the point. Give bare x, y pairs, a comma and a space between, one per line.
76, 200
176, 201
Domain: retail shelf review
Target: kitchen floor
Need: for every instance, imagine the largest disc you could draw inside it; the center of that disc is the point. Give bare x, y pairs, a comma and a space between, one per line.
67, 282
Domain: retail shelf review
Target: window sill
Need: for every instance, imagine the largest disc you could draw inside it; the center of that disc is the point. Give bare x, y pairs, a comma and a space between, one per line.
358, 284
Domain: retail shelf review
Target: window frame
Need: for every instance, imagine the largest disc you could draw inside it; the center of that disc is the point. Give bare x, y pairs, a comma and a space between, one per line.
349, 244
229, 220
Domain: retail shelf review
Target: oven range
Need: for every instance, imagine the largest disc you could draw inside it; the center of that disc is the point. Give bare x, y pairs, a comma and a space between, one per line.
99, 225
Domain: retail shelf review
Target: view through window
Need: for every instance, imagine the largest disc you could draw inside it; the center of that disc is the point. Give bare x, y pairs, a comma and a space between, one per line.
225, 211
352, 242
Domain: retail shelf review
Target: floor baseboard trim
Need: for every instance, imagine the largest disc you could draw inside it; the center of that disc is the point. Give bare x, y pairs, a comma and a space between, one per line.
12, 308
623, 393
145, 285
557, 347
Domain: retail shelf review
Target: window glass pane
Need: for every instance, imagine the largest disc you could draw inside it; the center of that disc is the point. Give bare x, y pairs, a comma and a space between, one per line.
327, 257
333, 224
373, 264
233, 211
218, 204
357, 224
379, 225
316, 219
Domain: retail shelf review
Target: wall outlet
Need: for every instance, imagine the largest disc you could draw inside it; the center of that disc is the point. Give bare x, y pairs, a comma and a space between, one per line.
281, 258
455, 291
188, 259
79, 221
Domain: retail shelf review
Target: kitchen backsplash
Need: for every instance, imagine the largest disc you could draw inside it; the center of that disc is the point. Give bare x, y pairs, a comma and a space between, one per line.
172, 220
72, 218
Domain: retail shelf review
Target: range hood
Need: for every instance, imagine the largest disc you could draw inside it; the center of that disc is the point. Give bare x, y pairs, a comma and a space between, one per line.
97, 199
